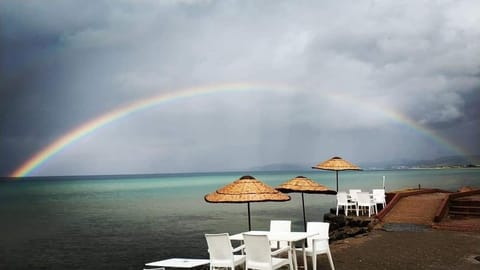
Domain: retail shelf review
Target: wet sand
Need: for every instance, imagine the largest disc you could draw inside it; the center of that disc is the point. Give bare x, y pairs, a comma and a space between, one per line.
427, 249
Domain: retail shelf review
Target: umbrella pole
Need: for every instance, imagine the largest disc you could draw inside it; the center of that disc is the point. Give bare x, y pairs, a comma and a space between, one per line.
337, 180
304, 219
249, 222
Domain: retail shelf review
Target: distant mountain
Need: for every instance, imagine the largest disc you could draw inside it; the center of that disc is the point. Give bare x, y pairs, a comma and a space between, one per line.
448, 161
281, 167
457, 160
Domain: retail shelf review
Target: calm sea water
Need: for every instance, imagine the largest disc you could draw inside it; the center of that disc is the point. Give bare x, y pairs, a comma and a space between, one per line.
124, 222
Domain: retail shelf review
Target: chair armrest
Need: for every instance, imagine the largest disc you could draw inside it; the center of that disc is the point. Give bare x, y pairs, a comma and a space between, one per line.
320, 239
280, 251
239, 248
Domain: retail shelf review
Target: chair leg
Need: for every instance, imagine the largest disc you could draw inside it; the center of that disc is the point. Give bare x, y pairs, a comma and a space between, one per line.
337, 209
314, 262
330, 259
304, 257
290, 255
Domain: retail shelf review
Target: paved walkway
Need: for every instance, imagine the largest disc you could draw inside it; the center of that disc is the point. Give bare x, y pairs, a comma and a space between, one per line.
416, 209
471, 224
405, 240
430, 249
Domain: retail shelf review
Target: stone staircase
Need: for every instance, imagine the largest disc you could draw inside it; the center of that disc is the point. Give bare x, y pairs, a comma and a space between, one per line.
460, 212
468, 206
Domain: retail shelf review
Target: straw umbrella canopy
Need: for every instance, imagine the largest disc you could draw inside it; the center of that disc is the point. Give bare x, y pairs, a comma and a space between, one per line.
247, 189
336, 164
303, 185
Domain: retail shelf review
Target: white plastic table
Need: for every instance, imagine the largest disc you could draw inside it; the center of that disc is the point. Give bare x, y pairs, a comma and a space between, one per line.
179, 263
290, 237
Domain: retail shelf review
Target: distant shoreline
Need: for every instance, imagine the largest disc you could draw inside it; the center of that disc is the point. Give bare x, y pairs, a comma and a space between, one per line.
439, 167
153, 175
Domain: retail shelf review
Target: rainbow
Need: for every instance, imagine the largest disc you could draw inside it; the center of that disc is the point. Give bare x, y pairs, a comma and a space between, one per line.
42, 156
404, 120
91, 126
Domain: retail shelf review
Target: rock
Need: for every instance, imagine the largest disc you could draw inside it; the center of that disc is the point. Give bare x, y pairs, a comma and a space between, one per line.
354, 231
337, 235
358, 222
342, 227
328, 216
335, 221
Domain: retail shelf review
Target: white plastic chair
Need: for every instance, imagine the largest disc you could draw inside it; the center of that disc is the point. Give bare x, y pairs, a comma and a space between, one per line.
260, 257
353, 194
379, 197
342, 200
222, 253
364, 200
318, 244
279, 226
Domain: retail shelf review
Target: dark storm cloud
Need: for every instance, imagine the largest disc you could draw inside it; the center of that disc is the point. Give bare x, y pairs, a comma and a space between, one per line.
66, 62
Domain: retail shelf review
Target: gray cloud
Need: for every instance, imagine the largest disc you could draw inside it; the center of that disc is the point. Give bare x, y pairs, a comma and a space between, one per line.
348, 64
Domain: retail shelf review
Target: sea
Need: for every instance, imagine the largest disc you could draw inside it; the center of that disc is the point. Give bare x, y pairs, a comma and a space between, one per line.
123, 222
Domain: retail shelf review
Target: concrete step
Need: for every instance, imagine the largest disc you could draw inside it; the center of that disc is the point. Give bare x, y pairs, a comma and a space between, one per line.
465, 203
463, 213
465, 208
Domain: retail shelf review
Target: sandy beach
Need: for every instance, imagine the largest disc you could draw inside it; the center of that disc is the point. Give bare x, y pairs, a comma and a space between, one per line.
429, 249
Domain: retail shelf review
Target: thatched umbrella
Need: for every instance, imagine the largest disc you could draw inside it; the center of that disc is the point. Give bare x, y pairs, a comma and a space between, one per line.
303, 184
247, 189
336, 164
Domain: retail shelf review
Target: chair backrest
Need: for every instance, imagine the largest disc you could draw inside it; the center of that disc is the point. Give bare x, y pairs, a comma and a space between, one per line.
280, 225
342, 198
353, 193
322, 228
257, 250
378, 195
363, 198
219, 246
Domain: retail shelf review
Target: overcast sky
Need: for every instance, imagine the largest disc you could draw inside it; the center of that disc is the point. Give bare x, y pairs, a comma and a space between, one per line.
351, 66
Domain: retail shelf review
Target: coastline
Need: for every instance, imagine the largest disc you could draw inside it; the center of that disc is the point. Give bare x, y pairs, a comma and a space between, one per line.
426, 249
409, 240
123, 223
407, 236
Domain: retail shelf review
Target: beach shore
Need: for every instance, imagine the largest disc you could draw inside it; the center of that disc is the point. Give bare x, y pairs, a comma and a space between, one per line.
428, 249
